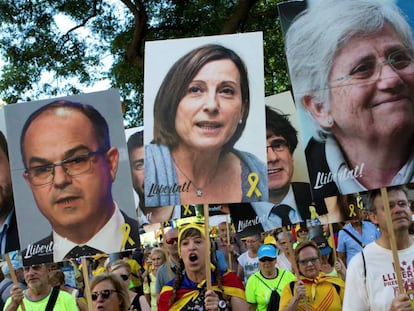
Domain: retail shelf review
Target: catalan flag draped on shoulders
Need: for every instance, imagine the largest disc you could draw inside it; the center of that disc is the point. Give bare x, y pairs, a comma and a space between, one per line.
323, 293
190, 295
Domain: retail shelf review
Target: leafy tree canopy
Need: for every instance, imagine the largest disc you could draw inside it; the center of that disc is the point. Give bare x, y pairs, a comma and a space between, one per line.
42, 60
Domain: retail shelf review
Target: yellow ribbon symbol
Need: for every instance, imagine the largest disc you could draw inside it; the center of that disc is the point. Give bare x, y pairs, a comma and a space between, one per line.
352, 210
253, 180
360, 203
125, 230
187, 210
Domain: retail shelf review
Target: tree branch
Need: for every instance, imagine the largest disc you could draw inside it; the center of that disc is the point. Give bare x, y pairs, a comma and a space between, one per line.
66, 38
239, 17
134, 53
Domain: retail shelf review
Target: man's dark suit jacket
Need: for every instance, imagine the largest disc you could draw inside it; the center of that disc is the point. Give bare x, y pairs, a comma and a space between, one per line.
242, 213
47, 243
12, 235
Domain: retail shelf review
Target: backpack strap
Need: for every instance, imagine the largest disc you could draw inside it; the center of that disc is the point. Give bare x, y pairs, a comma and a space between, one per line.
262, 281
52, 299
365, 264
362, 244
281, 277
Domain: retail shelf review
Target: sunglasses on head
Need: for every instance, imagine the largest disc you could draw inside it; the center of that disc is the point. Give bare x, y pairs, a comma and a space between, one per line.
124, 276
104, 293
171, 241
264, 259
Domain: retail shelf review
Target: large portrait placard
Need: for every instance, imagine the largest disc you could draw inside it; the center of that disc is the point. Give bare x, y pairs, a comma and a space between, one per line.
49, 179
204, 112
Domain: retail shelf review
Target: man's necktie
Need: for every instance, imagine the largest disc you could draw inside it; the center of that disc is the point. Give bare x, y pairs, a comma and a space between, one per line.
282, 211
79, 251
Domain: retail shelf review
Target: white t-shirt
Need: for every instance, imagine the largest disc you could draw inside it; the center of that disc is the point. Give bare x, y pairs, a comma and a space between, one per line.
250, 265
377, 290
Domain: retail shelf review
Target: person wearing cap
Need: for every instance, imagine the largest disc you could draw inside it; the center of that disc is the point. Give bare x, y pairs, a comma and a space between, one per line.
99, 262
269, 278
302, 234
187, 291
7, 283
313, 289
328, 266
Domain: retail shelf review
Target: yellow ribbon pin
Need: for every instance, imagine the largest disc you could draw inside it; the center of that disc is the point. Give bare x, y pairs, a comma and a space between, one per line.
352, 210
126, 230
187, 210
253, 180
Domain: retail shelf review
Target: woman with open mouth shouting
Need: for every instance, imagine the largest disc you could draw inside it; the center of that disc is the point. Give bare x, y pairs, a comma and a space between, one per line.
187, 291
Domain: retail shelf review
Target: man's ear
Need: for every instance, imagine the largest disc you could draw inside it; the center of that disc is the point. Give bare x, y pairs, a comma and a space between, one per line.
373, 218
113, 157
319, 111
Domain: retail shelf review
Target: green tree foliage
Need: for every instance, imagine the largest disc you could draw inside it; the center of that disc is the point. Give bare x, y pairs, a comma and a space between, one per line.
41, 60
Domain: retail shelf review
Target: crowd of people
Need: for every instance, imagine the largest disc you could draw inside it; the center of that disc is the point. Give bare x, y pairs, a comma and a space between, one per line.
352, 78
288, 276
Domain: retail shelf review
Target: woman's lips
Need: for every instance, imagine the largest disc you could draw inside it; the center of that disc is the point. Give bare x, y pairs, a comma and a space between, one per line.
389, 100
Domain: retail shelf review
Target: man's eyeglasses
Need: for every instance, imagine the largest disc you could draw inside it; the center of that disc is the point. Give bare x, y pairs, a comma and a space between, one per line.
400, 203
104, 293
73, 166
171, 241
401, 61
306, 261
278, 145
264, 259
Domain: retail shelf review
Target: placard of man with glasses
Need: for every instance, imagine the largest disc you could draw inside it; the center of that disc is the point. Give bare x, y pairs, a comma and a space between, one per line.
70, 166
288, 201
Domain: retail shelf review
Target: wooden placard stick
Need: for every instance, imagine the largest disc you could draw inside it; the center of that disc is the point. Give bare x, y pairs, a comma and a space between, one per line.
331, 233
291, 253
13, 276
390, 229
208, 250
87, 291
228, 242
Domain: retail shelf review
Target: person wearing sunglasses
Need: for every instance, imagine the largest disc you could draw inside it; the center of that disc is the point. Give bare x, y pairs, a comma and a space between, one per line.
109, 293
268, 279
313, 289
187, 291
39, 294
351, 65
122, 268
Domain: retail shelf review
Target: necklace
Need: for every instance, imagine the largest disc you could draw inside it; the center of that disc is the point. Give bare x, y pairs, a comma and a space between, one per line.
198, 190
